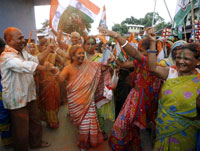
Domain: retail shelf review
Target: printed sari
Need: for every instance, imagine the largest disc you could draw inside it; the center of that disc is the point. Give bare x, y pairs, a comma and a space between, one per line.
138, 111
174, 129
105, 108
49, 95
80, 95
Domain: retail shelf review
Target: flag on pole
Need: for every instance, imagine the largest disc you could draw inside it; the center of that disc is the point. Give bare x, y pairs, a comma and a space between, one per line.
103, 18
56, 12
86, 10
132, 40
182, 9
120, 53
103, 24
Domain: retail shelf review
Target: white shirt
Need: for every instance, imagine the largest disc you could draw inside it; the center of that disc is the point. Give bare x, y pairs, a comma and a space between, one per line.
173, 73
17, 78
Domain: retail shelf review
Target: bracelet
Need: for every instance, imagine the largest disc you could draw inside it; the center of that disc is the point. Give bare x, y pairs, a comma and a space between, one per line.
152, 51
125, 44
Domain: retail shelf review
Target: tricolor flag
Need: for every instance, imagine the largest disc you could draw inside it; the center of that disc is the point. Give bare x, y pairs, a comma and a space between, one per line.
182, 9
120, 53
132, 41
103, 18
86, 10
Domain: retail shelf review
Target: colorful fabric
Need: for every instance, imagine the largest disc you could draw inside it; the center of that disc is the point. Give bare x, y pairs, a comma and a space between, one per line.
105, 107
49, 95
5, 131
80, 95
138, 110
174, 130
17, 77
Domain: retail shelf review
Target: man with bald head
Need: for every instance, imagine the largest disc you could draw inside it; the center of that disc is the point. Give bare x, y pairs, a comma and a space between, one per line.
19, 92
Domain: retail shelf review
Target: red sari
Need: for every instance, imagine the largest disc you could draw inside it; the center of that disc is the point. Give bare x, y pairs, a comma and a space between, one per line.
49, 95
138, 110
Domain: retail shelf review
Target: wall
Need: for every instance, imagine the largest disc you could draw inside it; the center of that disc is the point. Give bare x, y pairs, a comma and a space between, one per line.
18, 13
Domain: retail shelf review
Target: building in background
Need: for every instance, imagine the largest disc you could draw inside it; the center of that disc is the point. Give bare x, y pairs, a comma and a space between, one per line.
135, 28
20, 14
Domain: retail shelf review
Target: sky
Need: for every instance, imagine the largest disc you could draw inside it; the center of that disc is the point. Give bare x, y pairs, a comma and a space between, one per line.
118, 10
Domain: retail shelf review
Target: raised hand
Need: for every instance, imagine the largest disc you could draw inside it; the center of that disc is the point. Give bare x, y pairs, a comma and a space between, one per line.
107, 32
151, 34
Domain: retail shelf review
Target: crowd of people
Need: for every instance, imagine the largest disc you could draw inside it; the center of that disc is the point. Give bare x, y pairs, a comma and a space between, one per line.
155, 105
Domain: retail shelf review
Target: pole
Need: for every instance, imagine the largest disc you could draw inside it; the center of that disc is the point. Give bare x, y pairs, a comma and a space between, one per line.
193, 23
185, 32
168, 11
154, 13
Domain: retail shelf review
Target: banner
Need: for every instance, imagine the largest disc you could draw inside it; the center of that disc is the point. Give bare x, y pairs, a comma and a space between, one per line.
182, 9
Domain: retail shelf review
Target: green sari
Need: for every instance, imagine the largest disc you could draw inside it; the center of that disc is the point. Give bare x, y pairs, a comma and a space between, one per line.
174, 129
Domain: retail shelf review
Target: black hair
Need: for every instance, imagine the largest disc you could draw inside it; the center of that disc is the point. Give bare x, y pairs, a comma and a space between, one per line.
194, 47
2, 43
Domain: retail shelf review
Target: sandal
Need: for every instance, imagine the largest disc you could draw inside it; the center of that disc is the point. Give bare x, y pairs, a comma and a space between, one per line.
44, 144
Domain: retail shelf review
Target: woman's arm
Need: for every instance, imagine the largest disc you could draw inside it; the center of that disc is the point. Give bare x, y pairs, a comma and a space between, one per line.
63, 75
60, 60
62, 45
124, 43
128, 64
161, 72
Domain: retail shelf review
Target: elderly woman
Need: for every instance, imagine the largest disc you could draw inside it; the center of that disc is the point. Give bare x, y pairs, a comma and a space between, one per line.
177, 121
171, 59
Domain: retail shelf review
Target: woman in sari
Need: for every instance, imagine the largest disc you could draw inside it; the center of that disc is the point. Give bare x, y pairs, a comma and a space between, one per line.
139, 109
105, 108
48, 88
177, 121
82, 78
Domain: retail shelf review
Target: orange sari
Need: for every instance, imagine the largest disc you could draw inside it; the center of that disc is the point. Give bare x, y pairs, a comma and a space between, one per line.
80, 93
49, 95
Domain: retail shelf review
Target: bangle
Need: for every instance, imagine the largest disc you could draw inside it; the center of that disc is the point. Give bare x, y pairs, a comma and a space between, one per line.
124, 44
152, 51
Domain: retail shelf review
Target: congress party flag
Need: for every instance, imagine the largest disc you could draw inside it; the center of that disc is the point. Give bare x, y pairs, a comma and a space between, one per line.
182, 9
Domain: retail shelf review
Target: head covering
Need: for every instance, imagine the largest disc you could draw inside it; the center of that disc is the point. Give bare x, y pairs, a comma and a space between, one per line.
170, 60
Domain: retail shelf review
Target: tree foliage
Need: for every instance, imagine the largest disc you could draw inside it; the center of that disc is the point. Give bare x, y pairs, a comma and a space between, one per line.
120, 28
146, 21
45, 25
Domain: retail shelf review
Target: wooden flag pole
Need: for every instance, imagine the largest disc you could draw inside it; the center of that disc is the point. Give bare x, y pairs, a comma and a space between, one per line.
193, 23
185, 32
